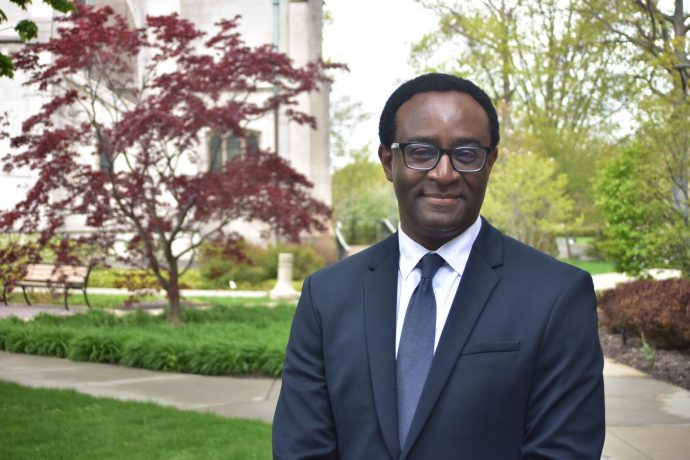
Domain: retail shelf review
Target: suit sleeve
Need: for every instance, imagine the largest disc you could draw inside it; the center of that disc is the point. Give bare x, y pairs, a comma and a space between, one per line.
303, 424
565, 419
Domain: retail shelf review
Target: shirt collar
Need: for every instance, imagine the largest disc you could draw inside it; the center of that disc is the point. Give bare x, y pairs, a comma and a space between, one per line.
455, 252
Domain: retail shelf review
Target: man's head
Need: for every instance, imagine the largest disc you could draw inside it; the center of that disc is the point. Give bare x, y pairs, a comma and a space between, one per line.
446, 112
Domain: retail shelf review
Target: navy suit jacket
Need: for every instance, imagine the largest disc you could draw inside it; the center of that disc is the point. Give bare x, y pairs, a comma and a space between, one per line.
517, 373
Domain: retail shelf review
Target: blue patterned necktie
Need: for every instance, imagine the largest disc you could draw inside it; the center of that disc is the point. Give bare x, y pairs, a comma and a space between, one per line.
416, 348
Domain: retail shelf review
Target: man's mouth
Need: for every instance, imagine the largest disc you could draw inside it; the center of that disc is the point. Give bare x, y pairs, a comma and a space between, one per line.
442, 199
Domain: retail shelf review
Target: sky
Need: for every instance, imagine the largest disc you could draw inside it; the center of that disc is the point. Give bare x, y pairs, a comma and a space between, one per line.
374, 38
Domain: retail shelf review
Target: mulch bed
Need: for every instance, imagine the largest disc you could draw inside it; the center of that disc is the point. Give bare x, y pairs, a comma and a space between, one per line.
671, 366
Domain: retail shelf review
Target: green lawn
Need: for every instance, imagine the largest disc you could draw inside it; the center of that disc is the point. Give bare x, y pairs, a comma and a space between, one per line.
118, 300
97, 300
594, 267
63, 424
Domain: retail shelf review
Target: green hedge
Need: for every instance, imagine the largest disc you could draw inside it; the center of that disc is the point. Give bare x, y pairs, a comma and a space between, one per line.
224, 340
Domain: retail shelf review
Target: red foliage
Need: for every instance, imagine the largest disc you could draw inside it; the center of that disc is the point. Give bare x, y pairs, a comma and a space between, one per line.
659, 309
147, 128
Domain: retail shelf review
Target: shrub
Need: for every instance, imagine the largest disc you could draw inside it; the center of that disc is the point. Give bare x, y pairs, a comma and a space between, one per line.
96, 347
658, 309
157, 354
305, 260
223, 340
141, 279
250, 266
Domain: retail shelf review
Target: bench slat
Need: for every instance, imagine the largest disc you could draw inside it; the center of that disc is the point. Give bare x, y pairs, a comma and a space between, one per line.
63, 274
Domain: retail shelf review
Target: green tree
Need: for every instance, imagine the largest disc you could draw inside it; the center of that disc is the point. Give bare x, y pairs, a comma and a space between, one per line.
654, 37
546, 67
643, 230
654, 40
657, 42
361, 198
542, 61
361, 193
346, 116
27, 29
527, 198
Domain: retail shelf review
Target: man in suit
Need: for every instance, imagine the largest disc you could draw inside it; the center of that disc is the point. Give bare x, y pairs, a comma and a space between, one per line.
486, 349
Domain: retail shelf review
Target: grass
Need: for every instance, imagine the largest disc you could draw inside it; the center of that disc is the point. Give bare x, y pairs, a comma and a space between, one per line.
63, 424
594, 267
97, 300
119, 300
223, 340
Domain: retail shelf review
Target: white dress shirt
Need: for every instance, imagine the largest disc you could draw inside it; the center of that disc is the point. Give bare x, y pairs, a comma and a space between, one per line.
446, 281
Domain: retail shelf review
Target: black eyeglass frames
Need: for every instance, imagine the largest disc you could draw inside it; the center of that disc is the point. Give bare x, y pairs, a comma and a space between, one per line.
425, 157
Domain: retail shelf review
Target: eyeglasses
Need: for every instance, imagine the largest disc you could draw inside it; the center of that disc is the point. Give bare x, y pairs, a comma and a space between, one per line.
425, 157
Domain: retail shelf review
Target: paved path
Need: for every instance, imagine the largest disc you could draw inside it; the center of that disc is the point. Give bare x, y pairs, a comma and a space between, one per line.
605, 281
228, 396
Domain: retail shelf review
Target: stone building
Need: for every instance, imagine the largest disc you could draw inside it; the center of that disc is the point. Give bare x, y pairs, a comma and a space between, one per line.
294, 26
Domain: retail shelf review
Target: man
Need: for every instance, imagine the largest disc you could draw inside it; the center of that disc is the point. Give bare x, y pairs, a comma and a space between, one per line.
494, 354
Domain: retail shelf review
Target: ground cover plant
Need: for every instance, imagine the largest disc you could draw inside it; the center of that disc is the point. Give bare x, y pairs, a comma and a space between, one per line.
222, 340
63, 424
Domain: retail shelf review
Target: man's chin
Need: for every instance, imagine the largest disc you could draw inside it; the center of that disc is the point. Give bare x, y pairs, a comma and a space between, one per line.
443, 230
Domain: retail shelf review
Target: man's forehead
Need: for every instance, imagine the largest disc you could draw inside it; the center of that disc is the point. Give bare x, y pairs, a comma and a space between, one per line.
428, 96
452, 109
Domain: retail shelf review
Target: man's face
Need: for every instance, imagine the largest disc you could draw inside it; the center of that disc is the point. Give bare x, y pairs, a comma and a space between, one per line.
437, 205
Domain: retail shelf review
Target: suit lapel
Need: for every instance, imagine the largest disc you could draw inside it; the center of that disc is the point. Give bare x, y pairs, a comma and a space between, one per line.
380, 292
476, 285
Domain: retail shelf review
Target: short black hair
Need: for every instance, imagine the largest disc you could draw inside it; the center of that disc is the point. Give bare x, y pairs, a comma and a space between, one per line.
434, 82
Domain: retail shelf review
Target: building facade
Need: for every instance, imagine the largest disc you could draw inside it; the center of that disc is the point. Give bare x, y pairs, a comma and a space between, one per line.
294, 27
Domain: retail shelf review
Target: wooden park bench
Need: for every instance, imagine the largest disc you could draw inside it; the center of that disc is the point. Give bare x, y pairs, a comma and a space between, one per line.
50, 275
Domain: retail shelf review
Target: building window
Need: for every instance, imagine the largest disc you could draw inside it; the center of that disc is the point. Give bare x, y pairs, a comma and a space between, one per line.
222, 148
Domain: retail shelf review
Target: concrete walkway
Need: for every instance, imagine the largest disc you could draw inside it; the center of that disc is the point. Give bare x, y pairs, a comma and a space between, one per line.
238, 397
646, 418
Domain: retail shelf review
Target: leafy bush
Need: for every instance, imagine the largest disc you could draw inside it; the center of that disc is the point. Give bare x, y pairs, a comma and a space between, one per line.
643, 228
223, 340
361, 198
527, 198
159, 354
251, 266
658, 309
131, 277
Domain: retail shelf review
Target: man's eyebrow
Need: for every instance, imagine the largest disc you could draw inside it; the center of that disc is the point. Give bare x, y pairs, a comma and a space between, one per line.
456, 142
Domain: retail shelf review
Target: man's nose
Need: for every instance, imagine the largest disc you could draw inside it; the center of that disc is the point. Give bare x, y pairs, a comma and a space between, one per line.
443, 172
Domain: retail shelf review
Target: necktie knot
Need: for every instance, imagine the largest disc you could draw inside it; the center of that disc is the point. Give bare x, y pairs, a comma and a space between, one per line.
430, 264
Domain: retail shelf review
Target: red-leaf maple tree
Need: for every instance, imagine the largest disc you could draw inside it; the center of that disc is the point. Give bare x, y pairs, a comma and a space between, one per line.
123, 147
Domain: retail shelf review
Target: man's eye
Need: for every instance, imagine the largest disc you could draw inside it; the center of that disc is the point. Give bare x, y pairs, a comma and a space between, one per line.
465, 155
421, 152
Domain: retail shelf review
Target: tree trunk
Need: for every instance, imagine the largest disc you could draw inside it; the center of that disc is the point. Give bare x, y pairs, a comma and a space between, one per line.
174, 308
173, 291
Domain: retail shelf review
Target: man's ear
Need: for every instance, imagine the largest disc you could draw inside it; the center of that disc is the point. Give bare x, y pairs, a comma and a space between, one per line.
386, 157
491, 159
